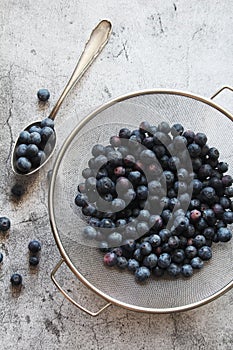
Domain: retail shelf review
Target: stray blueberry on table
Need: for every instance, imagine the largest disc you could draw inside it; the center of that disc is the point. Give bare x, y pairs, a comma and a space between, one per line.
33, 260
43, 95
16, 280
18, 190
5, 224
34, 246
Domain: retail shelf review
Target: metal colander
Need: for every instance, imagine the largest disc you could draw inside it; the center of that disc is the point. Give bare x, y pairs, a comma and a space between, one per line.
86, 261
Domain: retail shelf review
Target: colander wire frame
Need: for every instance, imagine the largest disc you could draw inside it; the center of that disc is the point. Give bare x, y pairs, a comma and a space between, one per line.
156, 296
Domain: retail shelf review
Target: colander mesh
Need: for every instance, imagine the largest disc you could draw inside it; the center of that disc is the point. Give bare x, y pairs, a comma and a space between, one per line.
156, 294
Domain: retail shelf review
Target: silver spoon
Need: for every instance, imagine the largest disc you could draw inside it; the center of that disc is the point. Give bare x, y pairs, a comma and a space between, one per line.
98, 39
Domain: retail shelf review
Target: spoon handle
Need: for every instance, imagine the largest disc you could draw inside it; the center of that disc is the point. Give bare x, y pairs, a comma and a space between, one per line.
98, 39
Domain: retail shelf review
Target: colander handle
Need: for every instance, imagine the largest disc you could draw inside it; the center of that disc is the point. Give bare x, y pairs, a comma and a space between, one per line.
69, 297
226, 87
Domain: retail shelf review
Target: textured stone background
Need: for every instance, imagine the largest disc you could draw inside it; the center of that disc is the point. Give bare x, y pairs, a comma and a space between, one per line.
174, 44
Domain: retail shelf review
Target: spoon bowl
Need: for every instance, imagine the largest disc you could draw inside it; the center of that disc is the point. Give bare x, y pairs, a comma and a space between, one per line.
36, 142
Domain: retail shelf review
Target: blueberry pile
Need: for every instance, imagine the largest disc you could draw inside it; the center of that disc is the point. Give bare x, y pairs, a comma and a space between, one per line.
34, 145
148, 210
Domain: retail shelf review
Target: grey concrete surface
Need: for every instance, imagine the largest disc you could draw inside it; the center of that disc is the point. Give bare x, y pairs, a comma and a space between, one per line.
174, 44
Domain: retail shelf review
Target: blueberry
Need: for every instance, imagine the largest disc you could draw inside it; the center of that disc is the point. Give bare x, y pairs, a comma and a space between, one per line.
115, 239
224, 234
195, 215
43, 95
154, 240
35, 138
228, 217
194, 150
209, 232
118, 204
216, 184
5, 224
148, 142
94, 222
181, 224
124, 133
89, 232
150, 260
100, 161
205, 253
34, 128
147, 156
174, 163
189, 135
106, 223
134, 177
197, 186
47, 122
197, 263
222, 167
101, 173
24, 137
160, 151
142, 274
157, 271
142, 192
133, 265
16, 279
190, 251
195, 204
32, 150
46, 133
34, 246
169, 177
164, 260
89, 210
156, 222
199, 241
105, 185
23, 164
164, 234
225, 202
146, 248
209, 216
180, 142
164, 162
182, 174
103, 247
81, 200
208, 194
164, 127
173, 270
21, 150
33, 260
1, 257
196, 163
122, 262
110, 259
200, 139
187, 270
213, 153
180, 187
204, 171
144, 126
39, 158
173, 242
177, 129
228, 192
166, 215
178, 255
227, 180
98, 150
115, 141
